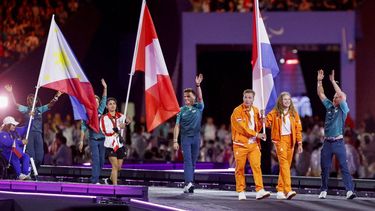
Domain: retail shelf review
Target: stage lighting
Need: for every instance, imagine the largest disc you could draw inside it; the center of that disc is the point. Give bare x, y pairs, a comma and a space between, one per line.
292, 61
3, 101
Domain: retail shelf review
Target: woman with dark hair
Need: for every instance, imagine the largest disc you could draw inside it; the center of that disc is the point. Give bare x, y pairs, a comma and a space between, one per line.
35, 140
112, 124
12, 142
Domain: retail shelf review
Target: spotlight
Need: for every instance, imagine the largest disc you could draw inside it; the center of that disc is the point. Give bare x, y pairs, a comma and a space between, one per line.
282, 61
3, 101
292, 61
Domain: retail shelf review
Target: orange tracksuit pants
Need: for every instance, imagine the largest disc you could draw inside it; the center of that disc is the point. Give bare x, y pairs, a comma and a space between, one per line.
284, 151
250, 152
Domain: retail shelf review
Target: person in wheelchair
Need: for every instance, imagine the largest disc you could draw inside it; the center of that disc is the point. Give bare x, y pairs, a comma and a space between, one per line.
12, 143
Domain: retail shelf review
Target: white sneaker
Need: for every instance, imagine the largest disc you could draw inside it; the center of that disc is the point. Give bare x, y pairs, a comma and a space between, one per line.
22, 176
323, 195
261, 194
290, 195
241, 196
350, 195
189, 188
280, 195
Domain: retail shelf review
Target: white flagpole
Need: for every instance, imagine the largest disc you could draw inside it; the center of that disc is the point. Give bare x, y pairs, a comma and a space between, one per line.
256, 11
134, 56
37, 87
34, 102
31, 117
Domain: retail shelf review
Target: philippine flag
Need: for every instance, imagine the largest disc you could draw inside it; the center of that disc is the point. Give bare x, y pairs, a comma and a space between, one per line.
61, 71
161, 101
263, 59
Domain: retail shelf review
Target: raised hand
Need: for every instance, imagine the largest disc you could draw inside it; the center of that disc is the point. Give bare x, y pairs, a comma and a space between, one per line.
199, 79
104, 84
59, 93
8, 88
320, 75
332, 76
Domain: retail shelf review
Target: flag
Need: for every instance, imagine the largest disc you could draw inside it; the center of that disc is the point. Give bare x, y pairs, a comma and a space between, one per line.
15, 150
161, 101
263, 59
61, 71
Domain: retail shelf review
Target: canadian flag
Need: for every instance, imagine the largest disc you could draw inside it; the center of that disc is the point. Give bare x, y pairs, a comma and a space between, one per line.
161, 102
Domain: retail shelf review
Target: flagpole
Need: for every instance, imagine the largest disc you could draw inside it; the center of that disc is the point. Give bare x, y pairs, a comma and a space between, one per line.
37, 89
132, 70
33, 166
31, 117
256, 11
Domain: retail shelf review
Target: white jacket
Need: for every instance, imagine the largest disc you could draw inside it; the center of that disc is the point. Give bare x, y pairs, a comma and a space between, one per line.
107, 123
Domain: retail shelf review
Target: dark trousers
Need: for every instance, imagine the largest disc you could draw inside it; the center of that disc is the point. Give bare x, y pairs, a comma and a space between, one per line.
97, 154
190, 149
34, 147
330, 148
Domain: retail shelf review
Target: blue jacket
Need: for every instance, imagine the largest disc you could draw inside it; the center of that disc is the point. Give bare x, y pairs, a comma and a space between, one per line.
7, 139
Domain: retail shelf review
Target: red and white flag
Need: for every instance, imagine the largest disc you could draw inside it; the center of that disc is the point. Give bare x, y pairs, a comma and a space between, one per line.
161, 101
15, 150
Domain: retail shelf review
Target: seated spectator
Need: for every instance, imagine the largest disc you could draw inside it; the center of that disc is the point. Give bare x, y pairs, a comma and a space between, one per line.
62, 154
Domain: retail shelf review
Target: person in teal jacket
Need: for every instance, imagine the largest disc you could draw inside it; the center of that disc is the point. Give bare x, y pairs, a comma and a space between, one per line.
96, 140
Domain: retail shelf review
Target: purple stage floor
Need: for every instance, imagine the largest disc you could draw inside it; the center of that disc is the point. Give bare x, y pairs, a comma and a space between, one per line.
75, 196
120, 191
216, 200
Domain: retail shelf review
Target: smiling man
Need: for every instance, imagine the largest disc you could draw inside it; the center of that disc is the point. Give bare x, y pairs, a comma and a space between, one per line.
336, 113
188, 125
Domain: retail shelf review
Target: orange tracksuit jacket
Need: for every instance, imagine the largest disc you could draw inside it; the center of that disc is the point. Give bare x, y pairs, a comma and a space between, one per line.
274, 120
243, 150
284, 146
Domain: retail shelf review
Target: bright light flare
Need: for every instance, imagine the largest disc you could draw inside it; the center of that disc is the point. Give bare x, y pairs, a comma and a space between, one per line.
3, 101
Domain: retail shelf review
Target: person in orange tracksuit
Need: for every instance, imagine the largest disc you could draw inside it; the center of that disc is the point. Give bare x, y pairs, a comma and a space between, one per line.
286, 130
245, 123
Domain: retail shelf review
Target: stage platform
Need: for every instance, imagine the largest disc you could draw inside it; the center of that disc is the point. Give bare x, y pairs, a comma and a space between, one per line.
68, 188
216, 200
222, 179
166, 198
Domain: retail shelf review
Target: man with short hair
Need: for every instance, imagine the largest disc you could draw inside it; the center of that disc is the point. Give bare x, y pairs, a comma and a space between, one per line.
188, 125
337, 111
246, 124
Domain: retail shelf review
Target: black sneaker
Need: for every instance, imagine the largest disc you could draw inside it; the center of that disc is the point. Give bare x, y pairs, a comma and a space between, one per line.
108, 181
189, 188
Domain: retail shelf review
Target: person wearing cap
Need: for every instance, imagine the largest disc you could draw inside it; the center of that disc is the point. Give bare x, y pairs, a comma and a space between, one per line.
336, 113
12, 142
34, 146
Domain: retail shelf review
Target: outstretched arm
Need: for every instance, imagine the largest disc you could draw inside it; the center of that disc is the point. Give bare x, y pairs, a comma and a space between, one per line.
198, 81
54, 99
339, 92
104, 84
319, 88
9, 89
